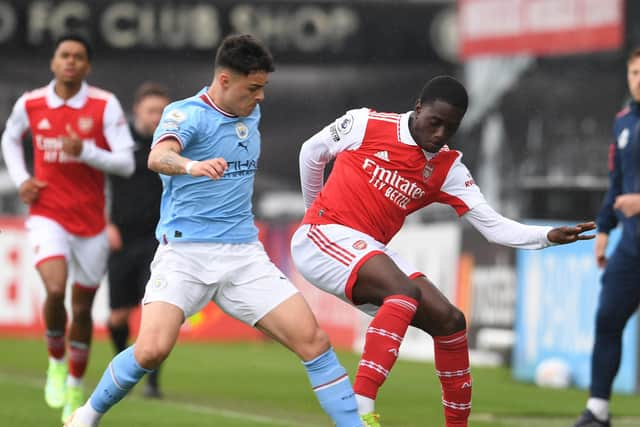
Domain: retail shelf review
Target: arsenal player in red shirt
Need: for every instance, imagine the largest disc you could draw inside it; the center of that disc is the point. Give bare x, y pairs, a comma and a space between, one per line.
79, 132
387, 166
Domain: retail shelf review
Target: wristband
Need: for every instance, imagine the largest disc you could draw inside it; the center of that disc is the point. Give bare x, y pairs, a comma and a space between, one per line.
189, 165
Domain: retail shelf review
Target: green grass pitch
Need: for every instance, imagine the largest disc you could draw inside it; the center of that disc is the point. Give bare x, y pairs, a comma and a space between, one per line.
263, 385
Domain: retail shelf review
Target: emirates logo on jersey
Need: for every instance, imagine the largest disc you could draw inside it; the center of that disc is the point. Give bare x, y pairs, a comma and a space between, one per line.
427, 171
392, 184
360, 245
85, 124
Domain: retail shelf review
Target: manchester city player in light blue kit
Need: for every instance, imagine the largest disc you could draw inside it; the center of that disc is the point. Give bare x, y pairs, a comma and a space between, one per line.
206, 150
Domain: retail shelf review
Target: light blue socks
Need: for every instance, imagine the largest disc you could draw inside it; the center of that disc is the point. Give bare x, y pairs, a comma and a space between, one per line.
331, 384
120, 376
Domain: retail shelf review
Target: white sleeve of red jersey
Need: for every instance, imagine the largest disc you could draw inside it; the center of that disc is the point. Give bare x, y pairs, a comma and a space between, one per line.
507, 232
17, 124
459, 190
346, 133
120, 160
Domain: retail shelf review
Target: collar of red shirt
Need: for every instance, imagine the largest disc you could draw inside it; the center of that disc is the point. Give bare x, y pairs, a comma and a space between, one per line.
77, 101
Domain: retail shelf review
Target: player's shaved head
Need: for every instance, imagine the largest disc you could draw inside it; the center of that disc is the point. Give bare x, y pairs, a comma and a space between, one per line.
447, 89
244, 54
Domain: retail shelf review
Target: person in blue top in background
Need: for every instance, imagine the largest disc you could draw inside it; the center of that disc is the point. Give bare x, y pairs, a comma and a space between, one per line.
620, 293
206, 150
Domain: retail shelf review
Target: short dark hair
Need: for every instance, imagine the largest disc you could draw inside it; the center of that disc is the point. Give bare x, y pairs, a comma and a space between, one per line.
76, 38
447, 89
635, 53
150, 89
244, 54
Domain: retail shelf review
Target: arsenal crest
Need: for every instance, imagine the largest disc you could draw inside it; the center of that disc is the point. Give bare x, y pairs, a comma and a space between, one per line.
360, 245
427, 171
85, 124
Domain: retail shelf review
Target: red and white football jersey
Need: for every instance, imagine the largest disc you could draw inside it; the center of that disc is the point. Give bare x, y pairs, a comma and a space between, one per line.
74, 195
380, 175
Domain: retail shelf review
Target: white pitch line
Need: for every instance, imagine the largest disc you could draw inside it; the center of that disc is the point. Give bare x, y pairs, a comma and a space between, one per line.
202, 409
190, 407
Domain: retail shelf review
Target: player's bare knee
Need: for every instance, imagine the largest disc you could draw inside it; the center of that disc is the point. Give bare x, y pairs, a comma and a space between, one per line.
411, 291
81, 313
455, 321
56, 296
118, 317
150, 356
316, 343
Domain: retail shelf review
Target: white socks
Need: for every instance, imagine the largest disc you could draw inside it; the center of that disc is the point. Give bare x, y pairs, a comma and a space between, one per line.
599, 408
87, 415
365, 405
73, 381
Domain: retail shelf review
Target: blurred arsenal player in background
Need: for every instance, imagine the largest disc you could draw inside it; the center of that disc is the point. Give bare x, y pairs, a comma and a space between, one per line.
79, 132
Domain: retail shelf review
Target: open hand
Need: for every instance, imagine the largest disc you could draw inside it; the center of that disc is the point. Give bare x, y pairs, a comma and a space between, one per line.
71, 142
30, 190
568, 234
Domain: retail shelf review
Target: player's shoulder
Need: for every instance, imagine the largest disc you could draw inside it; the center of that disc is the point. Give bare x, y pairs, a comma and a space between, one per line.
383, 116
351, 116
34, 94
188, 106
31, 96
625, 111
94, 92
447, 156
184, 109
356, 118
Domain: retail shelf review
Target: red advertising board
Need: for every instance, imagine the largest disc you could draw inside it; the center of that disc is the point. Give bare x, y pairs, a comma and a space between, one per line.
22, 295
539, 27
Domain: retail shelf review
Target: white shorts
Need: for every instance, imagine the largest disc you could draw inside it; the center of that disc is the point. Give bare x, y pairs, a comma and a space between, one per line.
86, 256
239, 278
329, 256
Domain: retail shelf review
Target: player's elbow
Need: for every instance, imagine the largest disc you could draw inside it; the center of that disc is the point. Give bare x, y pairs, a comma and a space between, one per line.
492, 239
129, 167
304, 154
152, 161
126, 167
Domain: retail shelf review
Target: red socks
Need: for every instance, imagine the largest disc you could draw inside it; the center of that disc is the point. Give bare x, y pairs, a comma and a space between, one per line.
384, 336
78, 358
56, 344
452, 368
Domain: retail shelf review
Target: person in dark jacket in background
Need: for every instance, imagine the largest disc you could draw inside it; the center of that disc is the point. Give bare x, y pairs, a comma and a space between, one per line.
620, 293
134, 215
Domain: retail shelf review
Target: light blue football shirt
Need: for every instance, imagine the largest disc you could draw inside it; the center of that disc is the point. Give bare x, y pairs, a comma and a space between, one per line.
202, 209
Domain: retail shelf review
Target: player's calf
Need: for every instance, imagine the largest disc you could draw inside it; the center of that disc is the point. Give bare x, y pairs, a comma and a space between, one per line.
382, 344
452, 368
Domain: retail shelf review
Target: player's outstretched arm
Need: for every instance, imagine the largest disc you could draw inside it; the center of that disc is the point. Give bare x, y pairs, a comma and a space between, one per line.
165, 158
570, 234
